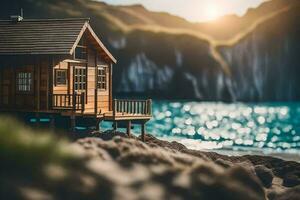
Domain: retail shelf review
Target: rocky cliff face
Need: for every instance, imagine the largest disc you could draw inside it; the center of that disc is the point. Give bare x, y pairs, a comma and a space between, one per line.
265, 63
262, 62
168, 66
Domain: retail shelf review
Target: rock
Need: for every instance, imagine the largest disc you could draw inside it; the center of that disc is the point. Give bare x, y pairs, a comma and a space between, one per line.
223, 163
123, 168
272, 194
290, 194
291, 180
247, 179
264, 174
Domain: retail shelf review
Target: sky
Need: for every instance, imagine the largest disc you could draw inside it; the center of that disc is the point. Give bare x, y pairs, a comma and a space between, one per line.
194, 10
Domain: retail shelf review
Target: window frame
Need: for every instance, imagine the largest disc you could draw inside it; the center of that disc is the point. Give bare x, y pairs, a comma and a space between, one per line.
101, 78
56, 77
25, 83
83, 49
83, 46
80, 79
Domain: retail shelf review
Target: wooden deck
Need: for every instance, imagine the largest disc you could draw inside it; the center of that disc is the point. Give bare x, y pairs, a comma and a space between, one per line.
129, 110
68, 105
123, 111
109, 116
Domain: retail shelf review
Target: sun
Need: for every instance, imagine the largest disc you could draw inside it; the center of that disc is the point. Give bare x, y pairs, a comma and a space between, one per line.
212, 11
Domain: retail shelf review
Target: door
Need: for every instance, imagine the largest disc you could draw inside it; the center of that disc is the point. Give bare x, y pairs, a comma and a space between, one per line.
79, 89
24, 87
79, 78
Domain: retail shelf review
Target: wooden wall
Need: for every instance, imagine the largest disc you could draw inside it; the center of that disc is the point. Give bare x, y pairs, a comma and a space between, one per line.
103, 95
36, 99
7, 91
43, 85
102, 101
61, 89
43, 70
1, 87
91, 81
23, 100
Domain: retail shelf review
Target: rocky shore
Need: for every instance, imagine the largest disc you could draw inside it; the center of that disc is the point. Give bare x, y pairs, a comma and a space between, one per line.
112, 166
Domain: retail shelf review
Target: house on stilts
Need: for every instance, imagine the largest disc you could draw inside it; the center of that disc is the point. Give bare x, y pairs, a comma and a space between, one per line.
59, 67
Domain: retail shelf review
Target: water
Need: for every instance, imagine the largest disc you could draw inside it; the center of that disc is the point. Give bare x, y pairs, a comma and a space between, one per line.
274, 126
238, 126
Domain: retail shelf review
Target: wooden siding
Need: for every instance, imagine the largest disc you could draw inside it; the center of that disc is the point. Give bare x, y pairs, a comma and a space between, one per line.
61, 89
44, 74
34, 100
1, 87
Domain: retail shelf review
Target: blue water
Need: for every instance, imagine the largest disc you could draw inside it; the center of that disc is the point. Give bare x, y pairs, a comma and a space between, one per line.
274, 126
218, 125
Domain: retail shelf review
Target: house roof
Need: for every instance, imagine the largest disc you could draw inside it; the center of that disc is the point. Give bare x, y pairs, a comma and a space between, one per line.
46, 36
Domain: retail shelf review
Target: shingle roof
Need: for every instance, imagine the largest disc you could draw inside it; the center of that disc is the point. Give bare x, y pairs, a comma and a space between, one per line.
43, 36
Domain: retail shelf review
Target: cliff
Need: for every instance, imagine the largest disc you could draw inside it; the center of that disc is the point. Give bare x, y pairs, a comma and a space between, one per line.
264, 63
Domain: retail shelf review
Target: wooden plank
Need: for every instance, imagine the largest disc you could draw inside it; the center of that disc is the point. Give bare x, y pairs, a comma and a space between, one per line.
38, 71
110, 86
1, 87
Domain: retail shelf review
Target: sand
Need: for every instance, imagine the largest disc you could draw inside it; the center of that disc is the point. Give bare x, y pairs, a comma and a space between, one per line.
112, 166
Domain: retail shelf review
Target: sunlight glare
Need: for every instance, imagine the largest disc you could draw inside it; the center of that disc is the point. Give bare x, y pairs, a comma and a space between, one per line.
212, 11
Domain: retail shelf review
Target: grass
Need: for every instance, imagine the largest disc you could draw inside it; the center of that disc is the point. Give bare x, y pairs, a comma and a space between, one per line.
26, 149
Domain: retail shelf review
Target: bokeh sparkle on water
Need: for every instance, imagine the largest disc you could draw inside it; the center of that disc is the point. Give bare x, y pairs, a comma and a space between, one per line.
218, 125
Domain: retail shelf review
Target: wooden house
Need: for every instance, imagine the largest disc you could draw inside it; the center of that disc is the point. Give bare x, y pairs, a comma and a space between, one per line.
60, 67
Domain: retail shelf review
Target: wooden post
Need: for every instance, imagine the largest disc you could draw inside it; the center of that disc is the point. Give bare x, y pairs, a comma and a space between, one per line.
73, 122
143, 131
129, 128
96, 100
98, 125
115, 125
74, 101
50, 83
114, 108
82, 102
110, 86
52, 122
37, 118
96, 83
38, 81
149, 107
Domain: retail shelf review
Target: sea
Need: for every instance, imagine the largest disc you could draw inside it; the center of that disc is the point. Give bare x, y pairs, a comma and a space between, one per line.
273, 127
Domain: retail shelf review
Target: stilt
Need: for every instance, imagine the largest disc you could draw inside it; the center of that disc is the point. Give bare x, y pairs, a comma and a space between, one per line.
129, 128
73, 122
115, 125
143, 131
52, 122
37, 118
98, 125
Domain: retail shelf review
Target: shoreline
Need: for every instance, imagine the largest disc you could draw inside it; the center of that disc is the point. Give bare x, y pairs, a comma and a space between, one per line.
235, 151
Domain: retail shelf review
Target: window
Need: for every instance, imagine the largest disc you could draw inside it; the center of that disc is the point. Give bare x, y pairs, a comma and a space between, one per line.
60, 77
101, 79
81, 53
81, 50
24, 81
80, 78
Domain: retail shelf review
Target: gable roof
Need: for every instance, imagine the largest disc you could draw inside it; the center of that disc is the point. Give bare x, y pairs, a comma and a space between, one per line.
46, 36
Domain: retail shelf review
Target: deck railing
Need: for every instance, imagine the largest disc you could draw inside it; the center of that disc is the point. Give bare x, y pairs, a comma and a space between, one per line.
75, 102
134, 107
